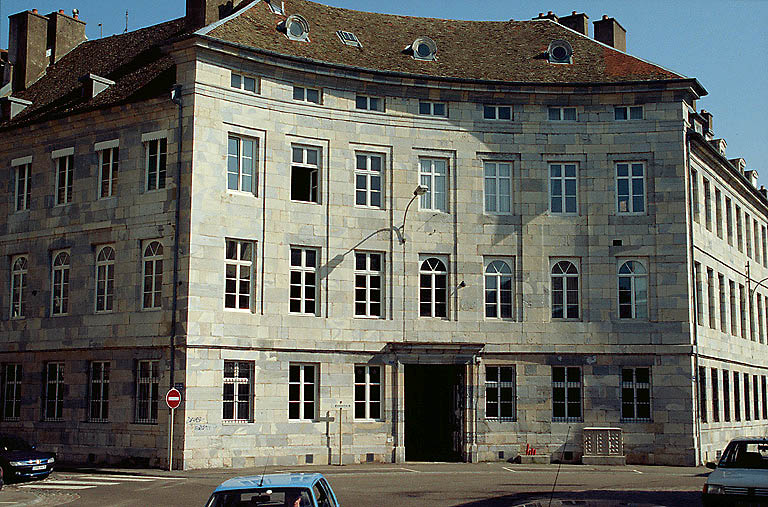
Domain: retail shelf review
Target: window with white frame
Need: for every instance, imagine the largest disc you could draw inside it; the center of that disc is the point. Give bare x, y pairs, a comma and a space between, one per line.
23, 186
499, 289
302, 391
65, 175
433, 288
566, 394
237, 398
367, 392
563, 188
19, 267
708, 204
565, 290
433, 108
305, 174
635, 394
433, 174
99, 392
303, 290
60, 283
368, 103
242, 82
633, 290
621, 113
630, 187
497, 112
500, 393
561, 113
105, 279
368, 284
152, 275
12, 391
306, 94
53, 403
241, 164
156, 161
147, 391
368, 187
238, 276
109, 159
498, 187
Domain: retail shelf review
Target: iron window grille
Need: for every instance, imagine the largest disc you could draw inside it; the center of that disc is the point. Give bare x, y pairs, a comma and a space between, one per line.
53, 402
147, 391
12, 379
99, 402
500, 393
566, 394
636, 394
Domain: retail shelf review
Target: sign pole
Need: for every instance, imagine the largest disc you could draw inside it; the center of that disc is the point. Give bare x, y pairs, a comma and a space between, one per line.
170, 442
173, 400
340, 409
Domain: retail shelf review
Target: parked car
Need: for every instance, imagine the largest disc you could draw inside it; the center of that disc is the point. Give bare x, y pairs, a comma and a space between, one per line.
19, 460
741, 475
283, 490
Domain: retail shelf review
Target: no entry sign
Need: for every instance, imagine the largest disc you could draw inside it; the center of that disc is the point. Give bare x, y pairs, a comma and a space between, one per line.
173, 398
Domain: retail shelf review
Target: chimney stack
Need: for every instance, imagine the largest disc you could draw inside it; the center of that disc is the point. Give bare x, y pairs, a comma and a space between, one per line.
763, 191
577, 22
64, 34
202, 13
610, 32
549, 15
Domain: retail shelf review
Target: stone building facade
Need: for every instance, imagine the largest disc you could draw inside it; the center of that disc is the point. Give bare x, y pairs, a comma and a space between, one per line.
462, 261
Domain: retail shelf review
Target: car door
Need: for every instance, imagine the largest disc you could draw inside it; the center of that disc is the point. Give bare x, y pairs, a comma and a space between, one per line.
324, 494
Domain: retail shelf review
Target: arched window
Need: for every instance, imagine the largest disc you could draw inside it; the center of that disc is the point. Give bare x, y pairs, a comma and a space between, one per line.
633, 291
433, 288
18, 287
60, 284
105, 279
565, 290
498, 290
153, 275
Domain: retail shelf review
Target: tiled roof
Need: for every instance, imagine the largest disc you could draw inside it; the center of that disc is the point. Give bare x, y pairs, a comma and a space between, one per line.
505, 51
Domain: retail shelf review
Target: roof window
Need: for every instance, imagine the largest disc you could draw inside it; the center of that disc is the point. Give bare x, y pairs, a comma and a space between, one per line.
559, 51
276, 6
424, 48
295, 28
349, 38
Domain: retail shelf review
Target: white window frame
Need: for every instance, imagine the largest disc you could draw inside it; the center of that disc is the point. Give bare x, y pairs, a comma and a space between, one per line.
630, 178
238, 399
496, 112
565, 276
147, 391
365, 390
240, 159
369, 175
567, 385
636, 387
98, 391
638, 306
241, 79
430, 177
109, 161
562, 179
365, 285
498, 277
19, 273
433, 106
240, 262
369, 103
22, 187
12, 382
104, 288
65, 170
306, 164
561, 113
497, 180
302, 93
154, 257
303, 382
628, 112
496, 382
60, 268
55, 411
156, 172
304, 270
434, 273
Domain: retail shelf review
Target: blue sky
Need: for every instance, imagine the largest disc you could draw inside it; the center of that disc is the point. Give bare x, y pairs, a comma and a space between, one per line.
724, 44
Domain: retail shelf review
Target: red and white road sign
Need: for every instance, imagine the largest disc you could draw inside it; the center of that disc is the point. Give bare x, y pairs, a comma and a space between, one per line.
173, 398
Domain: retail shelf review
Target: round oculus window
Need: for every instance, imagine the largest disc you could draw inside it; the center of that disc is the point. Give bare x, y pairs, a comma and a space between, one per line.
296, 27
560, 53
424, 48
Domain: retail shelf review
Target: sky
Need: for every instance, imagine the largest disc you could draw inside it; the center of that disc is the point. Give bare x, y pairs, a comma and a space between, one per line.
722, 43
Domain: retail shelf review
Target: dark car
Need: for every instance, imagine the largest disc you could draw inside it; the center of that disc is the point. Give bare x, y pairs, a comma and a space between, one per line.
19, 460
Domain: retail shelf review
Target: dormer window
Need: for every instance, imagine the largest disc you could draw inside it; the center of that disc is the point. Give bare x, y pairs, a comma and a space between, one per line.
296, 28
424, 48
559, 51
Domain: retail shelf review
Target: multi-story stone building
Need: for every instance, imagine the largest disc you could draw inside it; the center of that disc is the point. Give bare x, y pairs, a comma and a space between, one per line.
463, 238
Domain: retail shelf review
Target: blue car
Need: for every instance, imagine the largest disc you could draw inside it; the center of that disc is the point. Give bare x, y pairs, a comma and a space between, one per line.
20, 460
275, 490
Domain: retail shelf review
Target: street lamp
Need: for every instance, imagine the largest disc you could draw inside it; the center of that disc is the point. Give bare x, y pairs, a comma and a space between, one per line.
418, 192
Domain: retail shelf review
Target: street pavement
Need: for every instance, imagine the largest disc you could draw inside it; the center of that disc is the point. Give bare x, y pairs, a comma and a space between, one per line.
382, 485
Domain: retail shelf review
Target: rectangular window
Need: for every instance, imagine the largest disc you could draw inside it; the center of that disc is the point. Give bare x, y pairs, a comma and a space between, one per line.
752, 327
734, 320
726, 396
368, 103
500, 393
702, 381
756, 232
307, 94
736, 397
60, 284
433, 174
635, 394
237, 405
19, 271
621, 113
764, 388
241, 164
561, 113
65, 175
305, 174
563, 189
723, 303
12, 391
630, 187
147, 389
99, 392
707, 205
367, 392
152, 273
497, 112
760, 328
748, 234
108, 164
715, 397
302, 391
239, 272
53, 403
105, 279
765, 245
699, 294
718, 213
247, 83
157, 158
695, 195
369, 272
303, 290
433, 108
368, 184
729, 220
739, 230
711, 298
756, 397
566, 394
747, 406
743, 308
498, 187
23, 186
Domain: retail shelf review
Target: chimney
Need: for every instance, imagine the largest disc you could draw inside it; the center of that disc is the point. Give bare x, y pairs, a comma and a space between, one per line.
202, 13
610, 32
64, 34
577, 22
752, 177
763, 191
709, 131
738, 163
26, 47
548, 15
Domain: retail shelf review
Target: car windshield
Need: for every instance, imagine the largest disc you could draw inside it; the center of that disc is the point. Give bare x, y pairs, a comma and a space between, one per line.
11, 443
745, 455
263, 497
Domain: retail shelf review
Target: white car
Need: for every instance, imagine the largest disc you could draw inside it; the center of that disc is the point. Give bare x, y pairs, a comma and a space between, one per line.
741, 475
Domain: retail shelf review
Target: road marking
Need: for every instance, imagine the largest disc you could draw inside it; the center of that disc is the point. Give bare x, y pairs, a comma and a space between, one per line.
509, 469
55, 486
75, 482
637, 471
410, 470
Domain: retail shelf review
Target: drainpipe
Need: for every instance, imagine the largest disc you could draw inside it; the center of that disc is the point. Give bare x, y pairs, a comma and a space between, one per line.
176, 98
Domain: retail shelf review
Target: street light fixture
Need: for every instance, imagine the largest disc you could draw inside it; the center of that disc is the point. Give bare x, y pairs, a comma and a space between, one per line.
417, 192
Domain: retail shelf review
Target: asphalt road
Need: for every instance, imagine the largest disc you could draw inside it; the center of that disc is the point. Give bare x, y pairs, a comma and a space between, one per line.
381, 485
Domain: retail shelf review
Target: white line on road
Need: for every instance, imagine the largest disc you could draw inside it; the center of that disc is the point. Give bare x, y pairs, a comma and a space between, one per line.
75, 481
55, 486
509, 469
110, 478
637, 471
409, 470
